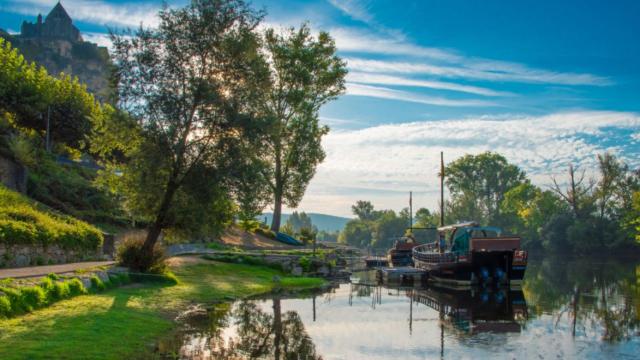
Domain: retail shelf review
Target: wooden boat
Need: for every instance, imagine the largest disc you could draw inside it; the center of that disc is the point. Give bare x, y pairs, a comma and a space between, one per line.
401, 252
469, 254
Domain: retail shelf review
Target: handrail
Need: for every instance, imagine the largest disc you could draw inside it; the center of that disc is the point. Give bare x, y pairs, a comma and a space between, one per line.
429, 253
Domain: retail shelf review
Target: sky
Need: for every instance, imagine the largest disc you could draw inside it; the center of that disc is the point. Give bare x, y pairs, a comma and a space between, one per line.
546, 83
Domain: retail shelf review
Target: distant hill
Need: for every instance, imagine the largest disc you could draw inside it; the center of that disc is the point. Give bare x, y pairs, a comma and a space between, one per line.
324, 222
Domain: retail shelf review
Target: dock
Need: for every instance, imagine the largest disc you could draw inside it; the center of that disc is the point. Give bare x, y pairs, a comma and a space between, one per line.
402, 275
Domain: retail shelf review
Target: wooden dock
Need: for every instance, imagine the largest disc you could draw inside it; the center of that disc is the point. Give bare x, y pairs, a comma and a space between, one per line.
402, 275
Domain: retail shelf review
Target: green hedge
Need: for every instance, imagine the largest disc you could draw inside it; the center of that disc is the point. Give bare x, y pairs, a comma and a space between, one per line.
23, 222
20, 300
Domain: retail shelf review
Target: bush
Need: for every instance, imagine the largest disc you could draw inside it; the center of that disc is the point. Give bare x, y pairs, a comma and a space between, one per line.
22, 221
5, 307
60, 291
33, 297
76, 287
266, 232
130, 254
97, 285
249, 225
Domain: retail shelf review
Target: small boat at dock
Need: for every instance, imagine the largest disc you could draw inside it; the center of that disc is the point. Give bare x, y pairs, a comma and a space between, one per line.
469, 254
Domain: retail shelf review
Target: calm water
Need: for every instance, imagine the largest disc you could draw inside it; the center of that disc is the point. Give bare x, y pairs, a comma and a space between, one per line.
581, 309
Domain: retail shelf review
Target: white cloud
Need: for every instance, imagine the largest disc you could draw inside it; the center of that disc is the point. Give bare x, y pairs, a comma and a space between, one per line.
381, 79
369, 42
391, 94
478, 70
130, 14
101, 39
356, 9
383, 163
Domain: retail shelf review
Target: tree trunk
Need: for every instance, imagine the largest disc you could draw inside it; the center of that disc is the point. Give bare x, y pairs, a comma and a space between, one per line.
159, 224
277, 212
277, 328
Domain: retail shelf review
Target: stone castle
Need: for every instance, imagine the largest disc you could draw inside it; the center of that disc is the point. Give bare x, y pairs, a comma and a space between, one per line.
57, 25
56, 44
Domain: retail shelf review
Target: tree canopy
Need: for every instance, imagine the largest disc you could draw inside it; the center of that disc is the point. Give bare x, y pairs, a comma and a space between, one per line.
304, 74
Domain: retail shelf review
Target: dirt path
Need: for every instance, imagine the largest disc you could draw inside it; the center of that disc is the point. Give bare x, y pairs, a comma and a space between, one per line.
38, 271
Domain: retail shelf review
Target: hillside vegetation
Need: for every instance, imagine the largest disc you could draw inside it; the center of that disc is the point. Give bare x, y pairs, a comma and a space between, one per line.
25, 222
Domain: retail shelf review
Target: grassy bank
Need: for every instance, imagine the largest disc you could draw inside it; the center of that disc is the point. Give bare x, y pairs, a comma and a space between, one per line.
125, 322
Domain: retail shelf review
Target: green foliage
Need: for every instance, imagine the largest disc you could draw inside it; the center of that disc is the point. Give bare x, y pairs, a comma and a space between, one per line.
250, 225
30, 94
22, 221
266, 232
356, 233
305, 73
76, 287
33, 297
477, 185
189, 124
305, 263
132, 255
5, 307
97, 284
363, 210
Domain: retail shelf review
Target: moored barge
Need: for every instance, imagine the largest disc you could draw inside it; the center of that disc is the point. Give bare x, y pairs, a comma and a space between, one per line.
468, 254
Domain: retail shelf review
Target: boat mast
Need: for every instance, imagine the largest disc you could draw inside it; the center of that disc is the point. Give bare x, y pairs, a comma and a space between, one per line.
441, 188
410, 211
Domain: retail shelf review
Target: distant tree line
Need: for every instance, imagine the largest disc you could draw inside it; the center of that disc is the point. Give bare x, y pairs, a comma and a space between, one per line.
578, 213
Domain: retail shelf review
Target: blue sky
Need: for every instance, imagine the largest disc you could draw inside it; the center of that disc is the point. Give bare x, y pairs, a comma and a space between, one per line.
546, 83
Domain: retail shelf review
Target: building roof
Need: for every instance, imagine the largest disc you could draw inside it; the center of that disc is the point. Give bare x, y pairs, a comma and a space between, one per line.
58, 12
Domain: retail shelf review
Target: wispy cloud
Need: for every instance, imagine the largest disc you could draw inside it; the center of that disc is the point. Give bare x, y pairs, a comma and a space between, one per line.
391, 94
127, 14
381, 79
382, 163
356, 9
478, 70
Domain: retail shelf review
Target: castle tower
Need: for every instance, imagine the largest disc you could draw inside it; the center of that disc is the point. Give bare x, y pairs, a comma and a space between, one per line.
57, 25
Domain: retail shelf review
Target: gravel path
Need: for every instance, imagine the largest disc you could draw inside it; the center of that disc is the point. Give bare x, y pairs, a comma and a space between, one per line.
38, 271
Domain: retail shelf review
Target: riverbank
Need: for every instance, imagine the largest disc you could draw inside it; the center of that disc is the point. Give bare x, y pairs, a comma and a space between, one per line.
126, 322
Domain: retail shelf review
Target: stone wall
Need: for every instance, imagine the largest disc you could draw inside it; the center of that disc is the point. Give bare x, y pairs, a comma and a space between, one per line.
23, 255
13, 175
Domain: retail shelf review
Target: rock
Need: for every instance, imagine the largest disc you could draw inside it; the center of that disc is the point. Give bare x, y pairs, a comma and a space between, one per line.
86, 282
324, 270
102, 275
296, 270
22, 260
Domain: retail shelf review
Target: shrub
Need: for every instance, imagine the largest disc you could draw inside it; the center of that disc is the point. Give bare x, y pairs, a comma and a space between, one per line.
305, 263
33, 297
130, 254
15, 299
76, 287
97, 284
266, 232
22, 221
60, 290
5, 307
249, 225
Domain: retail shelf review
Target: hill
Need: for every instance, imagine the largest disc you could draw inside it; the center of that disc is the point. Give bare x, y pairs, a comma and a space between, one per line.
329, 223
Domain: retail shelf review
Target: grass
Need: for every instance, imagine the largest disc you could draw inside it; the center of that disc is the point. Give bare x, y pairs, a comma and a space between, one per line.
126, 322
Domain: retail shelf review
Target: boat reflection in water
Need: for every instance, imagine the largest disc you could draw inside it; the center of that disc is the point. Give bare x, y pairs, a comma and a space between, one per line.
476, 311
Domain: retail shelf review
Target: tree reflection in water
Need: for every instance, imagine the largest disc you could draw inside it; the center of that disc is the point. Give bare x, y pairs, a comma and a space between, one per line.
258, 335
592, 297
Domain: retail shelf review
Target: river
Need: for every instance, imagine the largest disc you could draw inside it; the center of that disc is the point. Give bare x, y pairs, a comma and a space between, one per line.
583, 309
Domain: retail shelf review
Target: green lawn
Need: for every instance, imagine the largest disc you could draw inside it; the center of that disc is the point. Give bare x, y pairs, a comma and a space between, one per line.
126, 322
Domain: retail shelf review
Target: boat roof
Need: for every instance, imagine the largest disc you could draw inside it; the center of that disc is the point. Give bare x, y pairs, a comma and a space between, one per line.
459, 225
469, 224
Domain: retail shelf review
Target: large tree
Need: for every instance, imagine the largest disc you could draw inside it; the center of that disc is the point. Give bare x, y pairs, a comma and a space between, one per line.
478, 184
305, 73
190, 83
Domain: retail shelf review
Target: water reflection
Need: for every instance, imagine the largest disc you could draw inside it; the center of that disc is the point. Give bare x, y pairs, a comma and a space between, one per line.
577, 309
